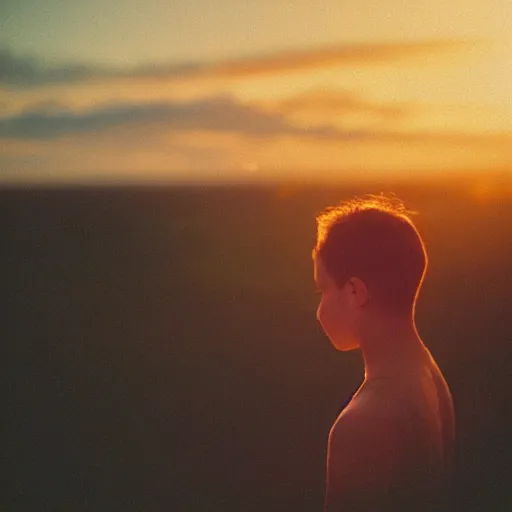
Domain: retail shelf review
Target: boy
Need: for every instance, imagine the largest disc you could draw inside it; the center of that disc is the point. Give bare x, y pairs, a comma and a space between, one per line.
392, 445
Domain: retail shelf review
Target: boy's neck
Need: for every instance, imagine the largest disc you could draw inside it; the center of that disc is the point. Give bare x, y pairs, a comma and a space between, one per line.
389, 344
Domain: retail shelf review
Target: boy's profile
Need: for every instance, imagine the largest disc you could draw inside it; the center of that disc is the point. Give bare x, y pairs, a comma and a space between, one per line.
392, 445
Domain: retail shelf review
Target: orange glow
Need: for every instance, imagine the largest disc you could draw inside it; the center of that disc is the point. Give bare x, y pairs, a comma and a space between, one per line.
403, 94
492, 189
389, 204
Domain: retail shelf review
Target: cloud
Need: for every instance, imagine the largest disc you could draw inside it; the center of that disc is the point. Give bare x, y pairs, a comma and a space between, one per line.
29, 70
18, 70
354, 54
334, 102
215, 116
220, 114
21, 70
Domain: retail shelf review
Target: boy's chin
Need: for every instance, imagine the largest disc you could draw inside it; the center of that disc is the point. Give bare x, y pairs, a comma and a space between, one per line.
345, 345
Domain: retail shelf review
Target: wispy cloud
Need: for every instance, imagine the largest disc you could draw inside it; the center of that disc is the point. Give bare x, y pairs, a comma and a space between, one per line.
30, 71
16, 70
336, 102
355, 54
24, 70
221, 114
218, 115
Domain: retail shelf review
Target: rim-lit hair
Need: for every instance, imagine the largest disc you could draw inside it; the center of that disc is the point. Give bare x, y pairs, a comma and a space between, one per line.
374, 238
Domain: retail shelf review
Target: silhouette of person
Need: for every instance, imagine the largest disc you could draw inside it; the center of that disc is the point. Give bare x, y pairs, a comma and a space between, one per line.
392, 445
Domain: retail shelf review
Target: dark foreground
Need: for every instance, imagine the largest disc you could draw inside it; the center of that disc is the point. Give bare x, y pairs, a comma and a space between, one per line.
163, 352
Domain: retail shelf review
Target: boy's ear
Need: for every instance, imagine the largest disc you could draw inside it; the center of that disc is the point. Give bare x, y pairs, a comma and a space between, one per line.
358, 291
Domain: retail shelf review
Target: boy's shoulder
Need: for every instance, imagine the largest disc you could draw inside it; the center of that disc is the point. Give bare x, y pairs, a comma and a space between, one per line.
381, 398
368, 428
387, 401
373, 405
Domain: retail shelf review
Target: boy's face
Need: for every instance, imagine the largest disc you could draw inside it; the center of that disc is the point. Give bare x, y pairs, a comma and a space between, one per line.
337, 311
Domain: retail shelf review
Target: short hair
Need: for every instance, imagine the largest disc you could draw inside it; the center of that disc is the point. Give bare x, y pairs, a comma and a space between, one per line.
373, 238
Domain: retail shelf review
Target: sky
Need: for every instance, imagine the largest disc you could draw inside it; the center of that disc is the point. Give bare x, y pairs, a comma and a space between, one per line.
111, 91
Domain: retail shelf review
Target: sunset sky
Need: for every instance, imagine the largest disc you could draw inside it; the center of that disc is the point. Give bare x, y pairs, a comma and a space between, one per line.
190, 90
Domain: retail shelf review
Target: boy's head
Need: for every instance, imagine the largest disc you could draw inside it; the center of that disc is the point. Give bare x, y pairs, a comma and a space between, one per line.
368, 257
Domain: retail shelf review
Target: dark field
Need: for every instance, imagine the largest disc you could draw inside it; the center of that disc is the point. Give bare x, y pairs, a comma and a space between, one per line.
163, 351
